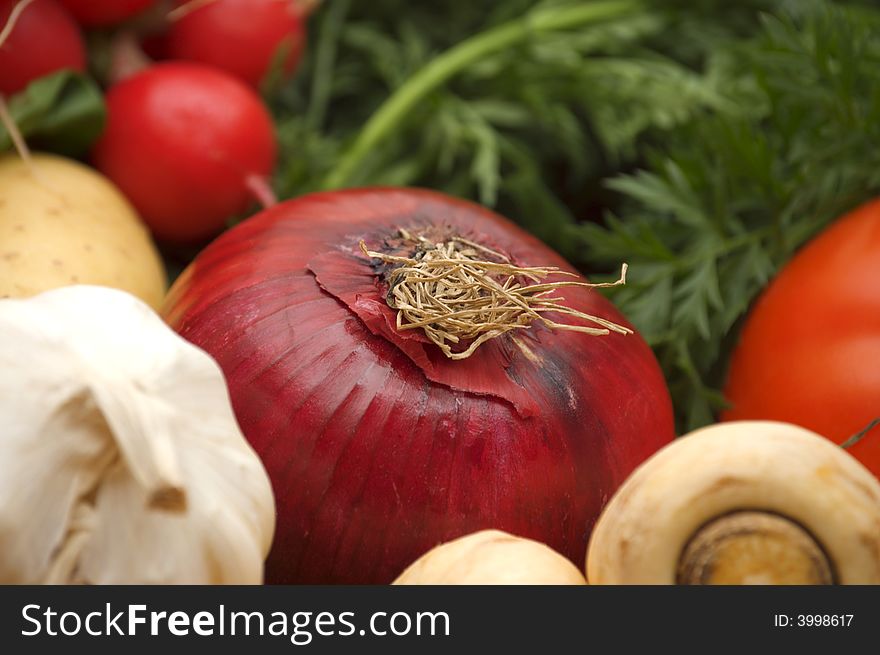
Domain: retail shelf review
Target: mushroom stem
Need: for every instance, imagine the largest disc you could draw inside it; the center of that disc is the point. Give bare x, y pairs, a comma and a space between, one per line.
754, 548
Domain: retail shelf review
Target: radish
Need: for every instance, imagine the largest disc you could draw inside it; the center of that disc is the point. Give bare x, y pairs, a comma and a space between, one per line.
242, 37
100, 13
37, 37
189, 145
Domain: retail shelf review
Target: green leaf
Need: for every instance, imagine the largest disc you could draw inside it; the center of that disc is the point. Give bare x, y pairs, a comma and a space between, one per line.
696, 295
552, 96
541, 211
62, 112
725, 199
648, 306
663, 194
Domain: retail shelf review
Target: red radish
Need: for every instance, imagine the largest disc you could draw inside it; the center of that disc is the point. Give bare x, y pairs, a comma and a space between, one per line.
241, 37
185, 143
100, 13
42, 40
379, 447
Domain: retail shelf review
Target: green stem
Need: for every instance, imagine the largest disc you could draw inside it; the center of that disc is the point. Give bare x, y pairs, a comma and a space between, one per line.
856, 438
325, 60
395, 109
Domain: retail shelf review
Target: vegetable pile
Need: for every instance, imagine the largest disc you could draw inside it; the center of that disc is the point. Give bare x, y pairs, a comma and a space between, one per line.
446, 285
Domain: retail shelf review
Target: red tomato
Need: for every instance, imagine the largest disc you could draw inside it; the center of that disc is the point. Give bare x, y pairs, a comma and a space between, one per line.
810, 350
94, 13
240, 37
44, 40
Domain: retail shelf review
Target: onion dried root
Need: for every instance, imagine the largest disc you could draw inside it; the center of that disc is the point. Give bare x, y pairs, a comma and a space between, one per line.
455, 292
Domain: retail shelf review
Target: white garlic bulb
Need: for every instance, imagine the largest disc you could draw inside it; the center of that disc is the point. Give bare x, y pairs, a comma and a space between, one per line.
121, 461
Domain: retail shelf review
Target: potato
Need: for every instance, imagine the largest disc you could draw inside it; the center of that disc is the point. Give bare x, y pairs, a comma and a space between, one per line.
62, 223
491, 557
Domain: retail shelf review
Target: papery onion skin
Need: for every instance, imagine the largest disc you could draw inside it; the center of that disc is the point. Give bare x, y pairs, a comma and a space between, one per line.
373, 462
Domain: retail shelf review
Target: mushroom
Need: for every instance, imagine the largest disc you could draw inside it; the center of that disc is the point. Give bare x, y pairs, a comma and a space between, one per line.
491, 557
751, 502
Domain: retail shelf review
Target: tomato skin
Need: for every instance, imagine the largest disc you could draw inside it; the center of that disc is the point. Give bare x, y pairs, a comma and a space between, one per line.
44, 40
180, 141
99, 13
810, 349
239, 36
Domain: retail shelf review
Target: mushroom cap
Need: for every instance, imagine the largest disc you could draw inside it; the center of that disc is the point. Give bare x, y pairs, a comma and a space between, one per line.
760, 466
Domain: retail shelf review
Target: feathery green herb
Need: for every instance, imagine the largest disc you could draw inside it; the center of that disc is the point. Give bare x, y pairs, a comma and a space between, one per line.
726, 200
529, 130
702, 141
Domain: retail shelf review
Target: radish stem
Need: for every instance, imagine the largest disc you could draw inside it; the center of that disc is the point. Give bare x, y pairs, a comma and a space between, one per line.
14, 133
17, 11
261, 190
127, 57
303, 7
858, 436
21, 147
306, 8
184, 9
389, 116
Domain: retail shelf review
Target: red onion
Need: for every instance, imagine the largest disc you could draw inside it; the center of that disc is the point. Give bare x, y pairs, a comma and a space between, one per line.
380, 447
